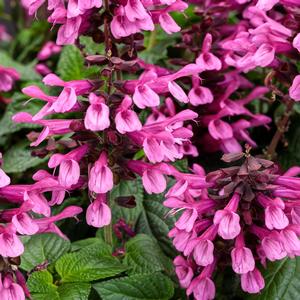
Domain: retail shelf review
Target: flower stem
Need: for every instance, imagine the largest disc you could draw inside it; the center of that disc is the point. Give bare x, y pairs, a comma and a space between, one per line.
108, 232
108, 238
281, 129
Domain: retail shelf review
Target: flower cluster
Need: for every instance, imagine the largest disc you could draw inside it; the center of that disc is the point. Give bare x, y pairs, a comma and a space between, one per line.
248, 215
22, 220
127, 18
134, 118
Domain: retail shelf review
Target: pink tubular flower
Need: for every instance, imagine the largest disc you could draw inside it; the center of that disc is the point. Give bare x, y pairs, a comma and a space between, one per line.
294, 90
10, 290
4, 179
203, 287
126, 119
69, 170
203, 247
207, 60
144, 97
228, 221
273, 247
290, 241
183, 271
7, 78
101, 177
97, 115
49, 49
10, 244
274, 214
296, 42
252, 282
242, 257
98, 213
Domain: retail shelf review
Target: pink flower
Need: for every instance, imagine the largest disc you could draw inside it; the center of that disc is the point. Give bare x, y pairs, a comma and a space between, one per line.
177, 92
7, 78
32, 5
126, 119
168, 24
242, 257
65, 101
242, 260
264, 55
266, 4
48, 50
135, 10
220, 130
273, 246
4, 179
97, 115
183, 271
10, 290
98, 213
10, 244
24, 224
154, 181
203, 287
203, 247
294, 90
68, 32
203, 252
290, 241
69, 170
296, 42
144, 97
187, 219
228, 220
206, 59
275, 217
252, 282
101, 177
200, 95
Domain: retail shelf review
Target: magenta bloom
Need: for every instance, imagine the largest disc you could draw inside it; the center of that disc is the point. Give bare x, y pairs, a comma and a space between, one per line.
294, 90
98, 213
126, 119
97, 115
101, 177
252, 282
10, 290
7, 78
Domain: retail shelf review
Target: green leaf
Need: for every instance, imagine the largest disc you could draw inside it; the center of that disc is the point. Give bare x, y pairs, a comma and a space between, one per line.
90, 263
127, 188
154, 221
90, 47
74, 291
41, 287
143, 255
70, 64
181, 165
41, 248
7, 126
139, 287
282, 281
19, 159
26, 72
92, 244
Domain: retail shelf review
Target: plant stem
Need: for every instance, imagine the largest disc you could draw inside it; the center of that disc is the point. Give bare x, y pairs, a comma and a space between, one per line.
108, 232
281, 128
108, 238
152, 40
